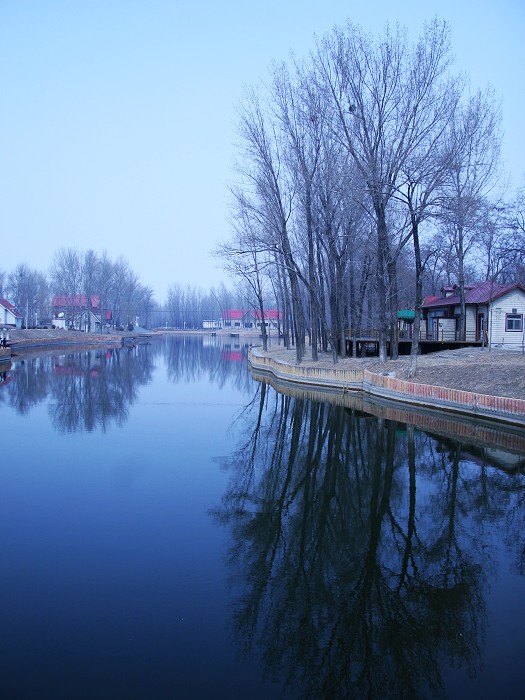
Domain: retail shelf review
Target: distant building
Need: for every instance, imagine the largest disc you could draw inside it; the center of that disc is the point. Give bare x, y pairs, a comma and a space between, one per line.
76, 313
232, 318
250, 320
9, 316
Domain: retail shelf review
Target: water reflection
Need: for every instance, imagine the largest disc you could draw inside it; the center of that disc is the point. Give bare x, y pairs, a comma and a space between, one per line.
92, 389
362, 548
218, 361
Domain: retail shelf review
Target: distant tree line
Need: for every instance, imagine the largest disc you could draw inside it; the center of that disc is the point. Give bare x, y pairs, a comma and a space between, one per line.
117, 287
74, 274
368, 175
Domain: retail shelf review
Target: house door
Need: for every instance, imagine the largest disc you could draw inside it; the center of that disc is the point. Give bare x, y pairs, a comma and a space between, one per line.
435, 329
480, 326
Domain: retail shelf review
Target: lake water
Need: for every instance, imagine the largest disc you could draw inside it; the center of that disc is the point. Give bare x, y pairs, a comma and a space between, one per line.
171, 527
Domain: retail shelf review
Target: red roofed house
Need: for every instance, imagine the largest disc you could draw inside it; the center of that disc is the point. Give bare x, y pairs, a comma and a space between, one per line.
493, 310
9, 316
75, 312
271, 319
232, 318
238, 319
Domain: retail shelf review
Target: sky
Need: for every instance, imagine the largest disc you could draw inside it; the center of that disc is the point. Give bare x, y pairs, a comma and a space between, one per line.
117, 117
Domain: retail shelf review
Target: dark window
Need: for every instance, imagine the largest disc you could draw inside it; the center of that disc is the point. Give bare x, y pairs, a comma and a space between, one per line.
514, 322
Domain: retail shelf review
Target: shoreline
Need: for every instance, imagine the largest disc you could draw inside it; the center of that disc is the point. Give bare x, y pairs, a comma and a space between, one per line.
387, 386
350, 377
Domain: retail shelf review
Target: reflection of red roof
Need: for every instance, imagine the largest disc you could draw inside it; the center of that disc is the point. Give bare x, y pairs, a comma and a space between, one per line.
232, 355
73, 371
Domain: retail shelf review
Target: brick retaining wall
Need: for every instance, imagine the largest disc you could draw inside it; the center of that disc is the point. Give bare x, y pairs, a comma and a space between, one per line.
494, 407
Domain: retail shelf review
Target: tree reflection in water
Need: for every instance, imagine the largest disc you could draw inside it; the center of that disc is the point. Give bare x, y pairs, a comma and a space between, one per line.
86, 390
91, 389
358, 563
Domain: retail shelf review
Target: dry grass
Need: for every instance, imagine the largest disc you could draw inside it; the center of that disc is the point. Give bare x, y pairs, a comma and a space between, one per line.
496, 373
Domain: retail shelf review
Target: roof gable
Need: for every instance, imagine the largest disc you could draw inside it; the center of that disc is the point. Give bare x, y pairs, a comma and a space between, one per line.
9, 307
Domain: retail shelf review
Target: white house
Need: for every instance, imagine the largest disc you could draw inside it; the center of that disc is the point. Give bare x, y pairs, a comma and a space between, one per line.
9, 316
75, 312
494, 313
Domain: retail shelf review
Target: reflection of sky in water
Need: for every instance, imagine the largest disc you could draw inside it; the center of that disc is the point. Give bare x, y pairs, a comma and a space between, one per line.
114, 575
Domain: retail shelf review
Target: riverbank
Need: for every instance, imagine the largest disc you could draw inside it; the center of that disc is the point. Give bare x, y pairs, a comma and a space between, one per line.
470, 381
23, 340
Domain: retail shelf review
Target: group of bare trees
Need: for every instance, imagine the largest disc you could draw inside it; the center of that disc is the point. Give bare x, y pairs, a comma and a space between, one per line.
27, 289
367, 167
115, 284
75, 274
187, 307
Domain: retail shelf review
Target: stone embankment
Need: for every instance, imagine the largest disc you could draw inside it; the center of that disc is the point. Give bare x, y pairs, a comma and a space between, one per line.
21, 340
386, 386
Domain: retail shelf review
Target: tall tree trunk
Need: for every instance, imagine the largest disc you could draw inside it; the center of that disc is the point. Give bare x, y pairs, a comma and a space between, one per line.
392, 308
414, 346
314, 316
461, 282
382, 253
322, 300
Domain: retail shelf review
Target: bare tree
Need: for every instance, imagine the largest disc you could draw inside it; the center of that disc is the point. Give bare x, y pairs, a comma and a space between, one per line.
474, 140
66, 278
90, 278
28, 292
382, 92
265, 175
243, 259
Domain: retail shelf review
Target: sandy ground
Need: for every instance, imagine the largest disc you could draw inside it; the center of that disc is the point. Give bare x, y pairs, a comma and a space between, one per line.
497, 373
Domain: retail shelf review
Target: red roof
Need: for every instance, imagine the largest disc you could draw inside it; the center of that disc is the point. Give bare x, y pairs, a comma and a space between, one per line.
7, 305
474, 294
271, 314
79, 301
233, 314
238, 314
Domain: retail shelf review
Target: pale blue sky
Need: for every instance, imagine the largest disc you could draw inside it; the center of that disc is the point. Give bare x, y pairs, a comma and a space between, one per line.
117, 116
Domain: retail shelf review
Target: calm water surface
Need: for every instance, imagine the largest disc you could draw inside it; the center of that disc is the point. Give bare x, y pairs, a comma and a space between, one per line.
171, 527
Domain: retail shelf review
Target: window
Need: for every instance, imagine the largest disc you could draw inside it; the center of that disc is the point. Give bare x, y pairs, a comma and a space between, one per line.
514, 322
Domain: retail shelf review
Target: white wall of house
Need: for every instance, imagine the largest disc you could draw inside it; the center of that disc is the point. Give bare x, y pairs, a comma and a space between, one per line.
506, 320
471, 313
443, 328
7, 317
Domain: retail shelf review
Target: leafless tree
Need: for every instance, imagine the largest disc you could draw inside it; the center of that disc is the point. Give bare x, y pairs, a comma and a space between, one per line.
383, 94
474, 141
66, 277
28, 292
243, 259
265, 177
